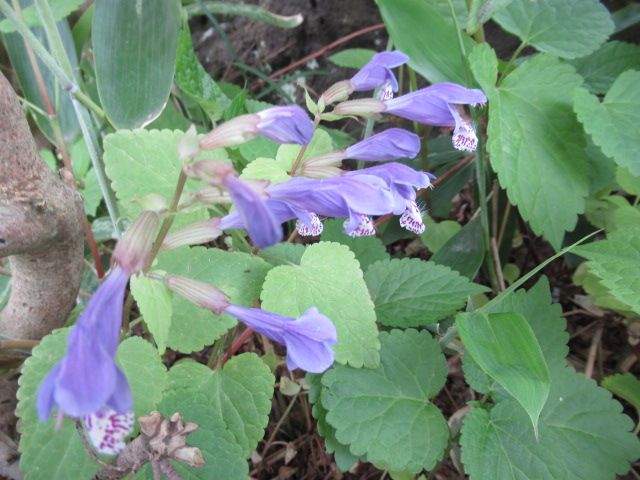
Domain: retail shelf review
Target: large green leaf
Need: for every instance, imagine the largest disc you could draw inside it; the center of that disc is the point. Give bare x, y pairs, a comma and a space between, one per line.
506, 349
367, 250
616, 261
431, 41
329, 278
626, 386
411, 292
582, 436
567, 28
49, 452
239, 394
602, 67
134, 47
60, 99
194, 80
611, 123
238, 275
154, 300
385, 413
463, 252
536, 144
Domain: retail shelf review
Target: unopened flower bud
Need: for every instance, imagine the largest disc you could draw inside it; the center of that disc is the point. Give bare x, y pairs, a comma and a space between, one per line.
194, 234
199, 293
234, 132
211, 171
152, 202
210, 196
337, 92
188, 146
133, 249
323, 166
364, 107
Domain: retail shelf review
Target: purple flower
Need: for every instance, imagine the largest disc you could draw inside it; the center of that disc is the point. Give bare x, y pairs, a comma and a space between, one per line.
377, 73
286, 125
308, 338
437, 105
263, 227
389, 144
402, 181
87, 382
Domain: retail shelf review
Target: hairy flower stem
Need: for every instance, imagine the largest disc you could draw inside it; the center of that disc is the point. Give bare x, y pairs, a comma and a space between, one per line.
303, 149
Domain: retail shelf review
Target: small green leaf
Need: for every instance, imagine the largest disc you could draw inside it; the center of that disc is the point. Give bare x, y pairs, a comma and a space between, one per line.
630, 183
385, 413
438, 234
267, 169
506, 349
484, 65
625, 386
154, 300
582, 435
411, 292
616, 261
352, 57
602, 67
194, 80
91, 193
367, 250
429, 39
610, 123
238, 275
329, 278
532, 128
464, 252
568, 29
59, 8
134, 47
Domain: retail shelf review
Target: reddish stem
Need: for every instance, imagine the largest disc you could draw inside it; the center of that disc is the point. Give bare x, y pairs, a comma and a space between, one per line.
244, 336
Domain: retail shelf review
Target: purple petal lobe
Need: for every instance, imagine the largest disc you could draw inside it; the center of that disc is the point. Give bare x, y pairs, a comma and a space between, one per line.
107, 430
286, 125
378, 72
390, 144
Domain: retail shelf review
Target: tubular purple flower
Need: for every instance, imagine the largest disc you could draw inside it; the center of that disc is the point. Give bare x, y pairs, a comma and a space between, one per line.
390, 144
308, 338
263, 227
437, 105
286, 125
402, 181
377, 73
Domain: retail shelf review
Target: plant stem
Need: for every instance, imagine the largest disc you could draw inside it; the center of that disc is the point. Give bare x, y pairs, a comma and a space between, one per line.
303, 149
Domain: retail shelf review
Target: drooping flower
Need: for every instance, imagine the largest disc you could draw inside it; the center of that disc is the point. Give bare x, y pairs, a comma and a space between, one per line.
438, 105
308, 338
403, 182
87, 383
289, 124
390, 144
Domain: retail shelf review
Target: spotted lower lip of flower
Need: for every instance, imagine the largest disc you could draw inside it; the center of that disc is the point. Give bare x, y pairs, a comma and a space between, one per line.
107, 430
312, 229
438, 105
411, 219
308, 338
390, 144
362, 228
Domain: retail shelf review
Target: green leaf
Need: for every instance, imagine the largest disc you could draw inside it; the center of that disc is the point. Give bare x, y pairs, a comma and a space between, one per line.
532, 129
194, 80
145, 372
583, 435
602, 67
438, 234
47, 452
367, 250
59, 8
411, 292
352, 57
385, 413
484, 65
568, 29
258, 147
611, 122
625, 386
283, 254
626, 16
60, 99
134, 47
91, 193
545, 319
430, 40
239, 394
329, 278
481, 11
154, 300
276, 171
505, 348
140, 162
464, 252
630, 183
616, 261
238, 275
